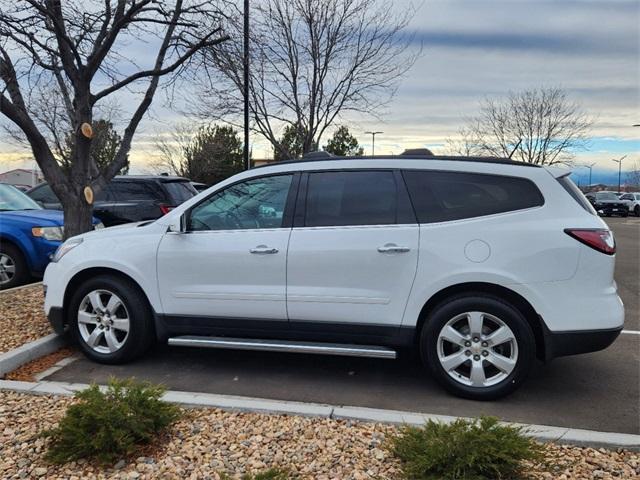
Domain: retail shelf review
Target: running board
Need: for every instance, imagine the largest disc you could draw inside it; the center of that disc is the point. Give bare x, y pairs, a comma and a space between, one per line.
283, 346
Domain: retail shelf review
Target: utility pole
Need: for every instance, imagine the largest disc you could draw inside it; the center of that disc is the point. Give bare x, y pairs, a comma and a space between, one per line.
619, 162
247, 161
590, 167
373, 142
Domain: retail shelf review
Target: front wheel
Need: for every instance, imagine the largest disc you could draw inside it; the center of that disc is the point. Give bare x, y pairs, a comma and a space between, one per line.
477, 346
636, 210
110, 320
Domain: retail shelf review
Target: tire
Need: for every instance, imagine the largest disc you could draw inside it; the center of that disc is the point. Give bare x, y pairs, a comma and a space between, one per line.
636, 210
119, 329
516, 357
13, 267
625, 214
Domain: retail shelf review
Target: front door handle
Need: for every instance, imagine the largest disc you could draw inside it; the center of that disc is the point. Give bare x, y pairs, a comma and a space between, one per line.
393, 248
263, 250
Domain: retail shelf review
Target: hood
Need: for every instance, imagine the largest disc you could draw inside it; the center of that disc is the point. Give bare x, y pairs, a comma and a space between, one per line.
39, 218
117, 229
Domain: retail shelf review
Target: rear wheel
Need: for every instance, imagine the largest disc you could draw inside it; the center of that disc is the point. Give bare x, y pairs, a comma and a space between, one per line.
13, 267
110, 320
477, 346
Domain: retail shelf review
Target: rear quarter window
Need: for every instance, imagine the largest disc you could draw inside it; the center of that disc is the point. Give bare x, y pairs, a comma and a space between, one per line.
179, 191
576, 194
443, 196
135, 191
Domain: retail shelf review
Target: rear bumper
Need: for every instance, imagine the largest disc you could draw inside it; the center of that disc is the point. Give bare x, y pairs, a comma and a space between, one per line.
560, 344
56, 319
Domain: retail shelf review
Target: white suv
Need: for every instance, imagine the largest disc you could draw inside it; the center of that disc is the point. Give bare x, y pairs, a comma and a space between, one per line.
481, 264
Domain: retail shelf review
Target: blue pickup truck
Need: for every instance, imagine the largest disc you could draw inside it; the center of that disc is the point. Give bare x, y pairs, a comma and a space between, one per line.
28, 235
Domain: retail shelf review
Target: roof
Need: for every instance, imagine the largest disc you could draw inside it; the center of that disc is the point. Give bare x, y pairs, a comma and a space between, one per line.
316, 157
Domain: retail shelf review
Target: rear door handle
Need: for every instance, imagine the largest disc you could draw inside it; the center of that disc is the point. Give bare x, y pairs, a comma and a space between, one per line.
393, 248
263, 250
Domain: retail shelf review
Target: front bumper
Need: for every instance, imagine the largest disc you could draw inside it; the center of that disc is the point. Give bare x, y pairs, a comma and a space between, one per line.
560, 344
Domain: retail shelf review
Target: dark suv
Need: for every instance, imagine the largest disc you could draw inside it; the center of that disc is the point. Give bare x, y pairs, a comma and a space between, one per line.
128, 198
607, 204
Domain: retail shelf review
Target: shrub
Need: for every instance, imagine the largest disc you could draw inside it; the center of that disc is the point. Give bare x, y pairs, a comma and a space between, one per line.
108, 425
464, 450
271, 474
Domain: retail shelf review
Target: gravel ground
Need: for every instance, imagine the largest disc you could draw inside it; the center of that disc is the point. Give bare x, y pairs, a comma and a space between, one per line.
22, 318
209, 441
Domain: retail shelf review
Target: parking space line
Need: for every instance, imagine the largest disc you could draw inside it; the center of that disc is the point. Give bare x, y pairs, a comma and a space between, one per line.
631, 332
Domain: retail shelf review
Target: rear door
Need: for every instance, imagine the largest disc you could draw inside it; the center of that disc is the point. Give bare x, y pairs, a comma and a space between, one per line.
353, 249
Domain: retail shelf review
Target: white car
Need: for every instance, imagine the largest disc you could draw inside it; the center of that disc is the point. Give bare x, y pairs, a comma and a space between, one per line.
632, 201
482, 265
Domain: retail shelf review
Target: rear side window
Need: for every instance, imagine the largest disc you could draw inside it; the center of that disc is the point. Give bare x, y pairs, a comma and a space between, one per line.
351, 198
179, 191
129, 191
576, 194
443, 196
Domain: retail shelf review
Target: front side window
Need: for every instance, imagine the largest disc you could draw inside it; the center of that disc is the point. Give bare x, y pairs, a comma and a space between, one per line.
443, 196
256, 203
351, 198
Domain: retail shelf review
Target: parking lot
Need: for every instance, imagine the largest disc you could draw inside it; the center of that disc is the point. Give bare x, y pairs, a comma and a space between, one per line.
598, 391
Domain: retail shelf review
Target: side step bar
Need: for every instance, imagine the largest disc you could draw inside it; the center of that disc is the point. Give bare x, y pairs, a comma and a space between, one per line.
283, 346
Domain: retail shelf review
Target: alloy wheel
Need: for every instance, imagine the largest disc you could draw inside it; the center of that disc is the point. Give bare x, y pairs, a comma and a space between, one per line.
477, 349
7, 268
103, 321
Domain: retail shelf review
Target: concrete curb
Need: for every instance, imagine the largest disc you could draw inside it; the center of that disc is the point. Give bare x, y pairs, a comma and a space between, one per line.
12, 359
9, 290
545, 433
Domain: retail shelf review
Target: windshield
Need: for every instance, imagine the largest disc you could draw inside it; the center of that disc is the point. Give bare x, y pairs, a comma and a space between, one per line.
606, 196
12, 199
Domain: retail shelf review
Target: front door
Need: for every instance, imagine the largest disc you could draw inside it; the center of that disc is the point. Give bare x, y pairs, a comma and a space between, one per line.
353, 254
231, 261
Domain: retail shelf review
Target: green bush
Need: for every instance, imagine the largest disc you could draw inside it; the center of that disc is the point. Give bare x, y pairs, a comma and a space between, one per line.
271, 474
108, 425
464, 450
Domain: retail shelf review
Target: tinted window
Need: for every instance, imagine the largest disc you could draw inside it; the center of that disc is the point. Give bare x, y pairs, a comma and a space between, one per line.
256, 203
606, 196
577, 195
444, 196
43, 194
127, 191
179, 191
351, 198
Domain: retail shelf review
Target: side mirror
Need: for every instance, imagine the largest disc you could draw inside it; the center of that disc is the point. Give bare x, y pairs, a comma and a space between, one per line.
179, 225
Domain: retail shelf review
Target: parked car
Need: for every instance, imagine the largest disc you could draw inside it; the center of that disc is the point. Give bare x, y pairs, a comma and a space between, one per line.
607, 204
632, 201
480, 264
28, 236
128, 198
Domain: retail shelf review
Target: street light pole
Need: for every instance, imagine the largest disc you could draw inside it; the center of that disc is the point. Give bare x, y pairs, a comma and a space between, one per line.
619, 162
245, 60
373, 142
590, 167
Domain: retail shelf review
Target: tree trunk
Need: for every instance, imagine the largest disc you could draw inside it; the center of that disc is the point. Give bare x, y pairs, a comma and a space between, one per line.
77, 216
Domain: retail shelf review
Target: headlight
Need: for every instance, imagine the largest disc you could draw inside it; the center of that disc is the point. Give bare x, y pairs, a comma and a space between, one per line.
48, 233
65, 248
98, 226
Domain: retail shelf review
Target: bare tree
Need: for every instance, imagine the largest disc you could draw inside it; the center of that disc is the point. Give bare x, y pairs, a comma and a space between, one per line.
81, 53
544, 124
311, 62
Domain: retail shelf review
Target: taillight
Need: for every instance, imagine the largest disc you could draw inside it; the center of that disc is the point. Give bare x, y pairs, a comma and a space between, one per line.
599, 239
165, 208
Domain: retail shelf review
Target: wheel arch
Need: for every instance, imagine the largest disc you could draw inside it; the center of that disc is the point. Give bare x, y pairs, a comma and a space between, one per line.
17, 243
91, 272
515, 299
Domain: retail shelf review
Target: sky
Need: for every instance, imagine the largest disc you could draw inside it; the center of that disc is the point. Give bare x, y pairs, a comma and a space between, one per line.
474, 50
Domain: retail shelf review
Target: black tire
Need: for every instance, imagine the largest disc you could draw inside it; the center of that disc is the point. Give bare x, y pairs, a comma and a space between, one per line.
636, 210
625, 214
478, 302
13, 256
140, 334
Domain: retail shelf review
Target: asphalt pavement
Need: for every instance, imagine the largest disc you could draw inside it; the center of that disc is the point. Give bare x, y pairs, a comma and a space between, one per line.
597, 391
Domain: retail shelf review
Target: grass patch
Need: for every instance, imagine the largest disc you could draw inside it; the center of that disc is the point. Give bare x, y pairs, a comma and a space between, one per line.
465, 450
108, 425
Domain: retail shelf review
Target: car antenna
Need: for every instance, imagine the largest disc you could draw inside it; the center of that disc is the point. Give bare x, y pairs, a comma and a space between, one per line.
515, 148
